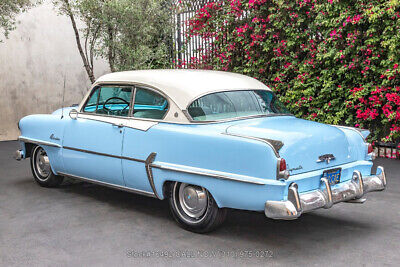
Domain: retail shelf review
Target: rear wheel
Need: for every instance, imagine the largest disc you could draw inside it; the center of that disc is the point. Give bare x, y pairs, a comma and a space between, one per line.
41, 169
194, 208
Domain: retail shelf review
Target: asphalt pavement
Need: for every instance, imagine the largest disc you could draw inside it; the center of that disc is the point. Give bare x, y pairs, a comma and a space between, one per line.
81, 224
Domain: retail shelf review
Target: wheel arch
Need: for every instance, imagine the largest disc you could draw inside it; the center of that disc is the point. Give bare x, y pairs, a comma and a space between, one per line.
166, 184
50, 151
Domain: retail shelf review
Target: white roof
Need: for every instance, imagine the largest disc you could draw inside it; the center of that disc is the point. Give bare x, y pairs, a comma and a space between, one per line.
184, 86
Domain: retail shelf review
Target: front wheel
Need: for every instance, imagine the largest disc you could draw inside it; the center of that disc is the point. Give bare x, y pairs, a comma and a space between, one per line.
194, 208
41, 169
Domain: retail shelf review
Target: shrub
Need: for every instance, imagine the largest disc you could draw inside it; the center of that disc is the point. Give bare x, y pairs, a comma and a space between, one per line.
331, 61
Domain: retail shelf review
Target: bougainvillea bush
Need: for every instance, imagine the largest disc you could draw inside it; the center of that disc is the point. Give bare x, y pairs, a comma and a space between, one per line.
331, 61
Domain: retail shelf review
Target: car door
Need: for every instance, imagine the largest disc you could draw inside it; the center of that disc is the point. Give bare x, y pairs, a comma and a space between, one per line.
93, 141
139, 138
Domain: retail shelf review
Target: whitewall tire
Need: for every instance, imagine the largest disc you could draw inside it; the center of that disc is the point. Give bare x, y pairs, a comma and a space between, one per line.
41, 169
194, 208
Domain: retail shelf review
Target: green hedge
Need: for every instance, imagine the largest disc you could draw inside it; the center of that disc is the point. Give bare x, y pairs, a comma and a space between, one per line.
330, 61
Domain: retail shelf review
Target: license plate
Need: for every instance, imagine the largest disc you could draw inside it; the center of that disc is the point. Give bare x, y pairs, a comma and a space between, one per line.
333, 175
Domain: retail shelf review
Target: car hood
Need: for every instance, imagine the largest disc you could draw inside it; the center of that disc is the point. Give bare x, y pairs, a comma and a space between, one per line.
303, 141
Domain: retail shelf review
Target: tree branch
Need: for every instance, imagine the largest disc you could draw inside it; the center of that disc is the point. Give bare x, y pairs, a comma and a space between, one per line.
70, 14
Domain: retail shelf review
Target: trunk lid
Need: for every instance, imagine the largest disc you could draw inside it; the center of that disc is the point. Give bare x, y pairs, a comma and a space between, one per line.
304, 141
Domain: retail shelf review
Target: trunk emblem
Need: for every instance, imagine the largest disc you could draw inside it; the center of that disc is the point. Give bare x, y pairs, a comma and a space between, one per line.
326, 157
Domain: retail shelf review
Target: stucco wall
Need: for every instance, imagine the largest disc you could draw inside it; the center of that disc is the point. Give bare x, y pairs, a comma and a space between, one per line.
33, 63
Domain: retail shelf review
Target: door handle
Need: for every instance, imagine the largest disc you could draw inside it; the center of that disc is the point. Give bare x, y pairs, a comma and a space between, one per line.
120, 125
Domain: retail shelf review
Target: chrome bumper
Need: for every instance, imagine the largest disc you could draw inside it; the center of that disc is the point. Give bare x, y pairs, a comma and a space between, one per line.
18, 155
325, 197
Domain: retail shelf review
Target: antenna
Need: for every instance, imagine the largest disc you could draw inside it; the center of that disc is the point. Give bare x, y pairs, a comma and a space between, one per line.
63, 96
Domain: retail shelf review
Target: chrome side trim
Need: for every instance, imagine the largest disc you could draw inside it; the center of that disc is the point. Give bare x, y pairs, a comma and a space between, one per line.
148, 166
178, 168
352, 191
209, 173
38, 142
119, 187
129, 122
103, 154
274, 144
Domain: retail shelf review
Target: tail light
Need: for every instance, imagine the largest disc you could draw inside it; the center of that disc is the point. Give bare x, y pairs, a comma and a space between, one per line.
370, 149
282, 172
370, 152
282, 165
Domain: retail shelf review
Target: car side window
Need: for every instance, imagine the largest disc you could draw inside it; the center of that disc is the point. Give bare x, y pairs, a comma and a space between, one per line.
149, 104
110, 100
91, 104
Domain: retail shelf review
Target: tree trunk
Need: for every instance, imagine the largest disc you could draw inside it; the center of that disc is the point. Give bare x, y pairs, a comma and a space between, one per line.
88, 68
111, 54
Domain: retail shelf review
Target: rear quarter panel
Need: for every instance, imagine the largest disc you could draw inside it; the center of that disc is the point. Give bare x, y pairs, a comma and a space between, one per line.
206, 147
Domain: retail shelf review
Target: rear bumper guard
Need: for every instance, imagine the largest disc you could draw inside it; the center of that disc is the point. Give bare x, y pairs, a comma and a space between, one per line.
349, 191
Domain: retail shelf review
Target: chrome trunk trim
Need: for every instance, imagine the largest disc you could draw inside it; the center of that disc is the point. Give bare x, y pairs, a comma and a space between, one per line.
276, 145
114, 186
324, 197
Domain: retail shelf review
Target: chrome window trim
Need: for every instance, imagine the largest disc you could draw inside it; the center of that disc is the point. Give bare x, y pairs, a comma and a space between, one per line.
38, 142
132, 102
81, 110
235, 118
150, 89
126, 119
170, 100
114, 186
134, 85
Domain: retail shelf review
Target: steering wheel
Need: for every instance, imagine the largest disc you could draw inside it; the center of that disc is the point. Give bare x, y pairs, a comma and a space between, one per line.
115, 97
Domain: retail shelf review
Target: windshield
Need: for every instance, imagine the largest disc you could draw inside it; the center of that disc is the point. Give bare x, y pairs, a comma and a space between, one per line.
234, 104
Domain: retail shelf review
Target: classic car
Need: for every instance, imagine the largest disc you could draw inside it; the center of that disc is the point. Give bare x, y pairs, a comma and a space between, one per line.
206, 141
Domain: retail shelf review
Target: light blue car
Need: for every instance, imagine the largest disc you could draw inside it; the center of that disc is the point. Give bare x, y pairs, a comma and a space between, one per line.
205, 141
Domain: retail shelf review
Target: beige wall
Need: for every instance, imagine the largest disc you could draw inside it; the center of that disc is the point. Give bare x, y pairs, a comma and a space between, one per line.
33, 62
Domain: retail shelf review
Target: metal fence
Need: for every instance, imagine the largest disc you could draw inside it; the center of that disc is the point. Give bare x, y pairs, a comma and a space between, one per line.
188, 49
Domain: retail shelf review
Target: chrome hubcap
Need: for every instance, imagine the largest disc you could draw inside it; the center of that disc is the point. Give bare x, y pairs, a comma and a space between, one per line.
193, 200
42, 163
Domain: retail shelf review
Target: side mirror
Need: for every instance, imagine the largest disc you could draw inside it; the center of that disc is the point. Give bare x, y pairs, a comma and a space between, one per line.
73, 114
